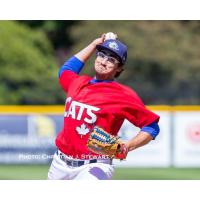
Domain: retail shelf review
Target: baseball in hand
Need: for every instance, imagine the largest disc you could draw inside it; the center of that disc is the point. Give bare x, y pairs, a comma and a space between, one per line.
110, 35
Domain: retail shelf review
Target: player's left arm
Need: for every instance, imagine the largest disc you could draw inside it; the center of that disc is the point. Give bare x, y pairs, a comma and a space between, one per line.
146, 134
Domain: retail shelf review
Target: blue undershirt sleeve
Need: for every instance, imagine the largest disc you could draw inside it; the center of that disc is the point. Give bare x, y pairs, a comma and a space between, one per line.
73, 64
153, 129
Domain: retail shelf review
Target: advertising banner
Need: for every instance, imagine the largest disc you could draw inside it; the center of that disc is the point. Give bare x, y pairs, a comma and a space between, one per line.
26, 139
186, 139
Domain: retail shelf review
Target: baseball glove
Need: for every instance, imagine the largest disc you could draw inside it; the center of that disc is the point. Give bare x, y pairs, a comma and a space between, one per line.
103, 143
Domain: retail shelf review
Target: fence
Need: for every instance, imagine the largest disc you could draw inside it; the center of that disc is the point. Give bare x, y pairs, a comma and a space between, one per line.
27, 135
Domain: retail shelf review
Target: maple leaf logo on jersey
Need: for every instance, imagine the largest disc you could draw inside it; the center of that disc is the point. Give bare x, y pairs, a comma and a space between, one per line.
82, 130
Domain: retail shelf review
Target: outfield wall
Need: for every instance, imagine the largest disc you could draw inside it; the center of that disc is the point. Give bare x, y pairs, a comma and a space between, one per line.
27, 135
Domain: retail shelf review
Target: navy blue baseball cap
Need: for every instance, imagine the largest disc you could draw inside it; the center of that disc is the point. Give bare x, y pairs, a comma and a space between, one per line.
116, 47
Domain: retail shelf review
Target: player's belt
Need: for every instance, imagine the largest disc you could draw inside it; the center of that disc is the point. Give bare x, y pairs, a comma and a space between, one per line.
78, 163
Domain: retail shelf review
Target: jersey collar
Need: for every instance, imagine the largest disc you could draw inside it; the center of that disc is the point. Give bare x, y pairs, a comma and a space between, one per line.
94, 80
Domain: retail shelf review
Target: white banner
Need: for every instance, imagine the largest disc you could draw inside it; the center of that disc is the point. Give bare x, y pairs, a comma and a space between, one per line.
178, 143
187, 139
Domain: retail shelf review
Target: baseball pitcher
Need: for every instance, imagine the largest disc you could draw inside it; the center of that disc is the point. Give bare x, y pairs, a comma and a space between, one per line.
95, 109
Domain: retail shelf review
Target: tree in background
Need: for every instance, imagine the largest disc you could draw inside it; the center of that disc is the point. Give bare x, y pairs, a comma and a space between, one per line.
58, 33
163, 57
28, 72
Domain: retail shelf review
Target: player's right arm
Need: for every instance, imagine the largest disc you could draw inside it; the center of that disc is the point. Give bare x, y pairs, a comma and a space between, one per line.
69, 72
72, 67
86, 53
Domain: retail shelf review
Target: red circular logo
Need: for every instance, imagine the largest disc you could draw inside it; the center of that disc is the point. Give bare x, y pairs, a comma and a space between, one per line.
194, 132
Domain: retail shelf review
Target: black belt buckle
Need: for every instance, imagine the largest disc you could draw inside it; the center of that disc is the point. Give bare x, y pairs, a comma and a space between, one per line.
74, 163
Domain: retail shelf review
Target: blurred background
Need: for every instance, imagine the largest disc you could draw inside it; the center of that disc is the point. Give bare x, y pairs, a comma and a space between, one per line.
163, 67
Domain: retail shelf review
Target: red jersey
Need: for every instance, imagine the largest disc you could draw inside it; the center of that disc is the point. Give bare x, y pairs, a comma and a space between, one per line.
103, 104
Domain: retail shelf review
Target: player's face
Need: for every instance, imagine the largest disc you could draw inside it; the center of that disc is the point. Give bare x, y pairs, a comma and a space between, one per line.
106, 66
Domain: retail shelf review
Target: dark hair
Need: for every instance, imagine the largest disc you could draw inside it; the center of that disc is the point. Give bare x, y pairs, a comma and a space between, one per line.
118, 73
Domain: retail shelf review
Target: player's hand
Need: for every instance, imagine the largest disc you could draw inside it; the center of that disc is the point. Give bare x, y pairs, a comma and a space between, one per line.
122, 153
99, 40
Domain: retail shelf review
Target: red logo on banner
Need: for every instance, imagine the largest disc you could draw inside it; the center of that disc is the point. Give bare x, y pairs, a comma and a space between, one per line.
193, 132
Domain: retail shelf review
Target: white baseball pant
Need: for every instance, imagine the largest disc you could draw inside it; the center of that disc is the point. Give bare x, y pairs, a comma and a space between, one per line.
59, 170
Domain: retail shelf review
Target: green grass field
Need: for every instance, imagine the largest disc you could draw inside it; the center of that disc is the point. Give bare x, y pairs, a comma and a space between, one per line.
39, 172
